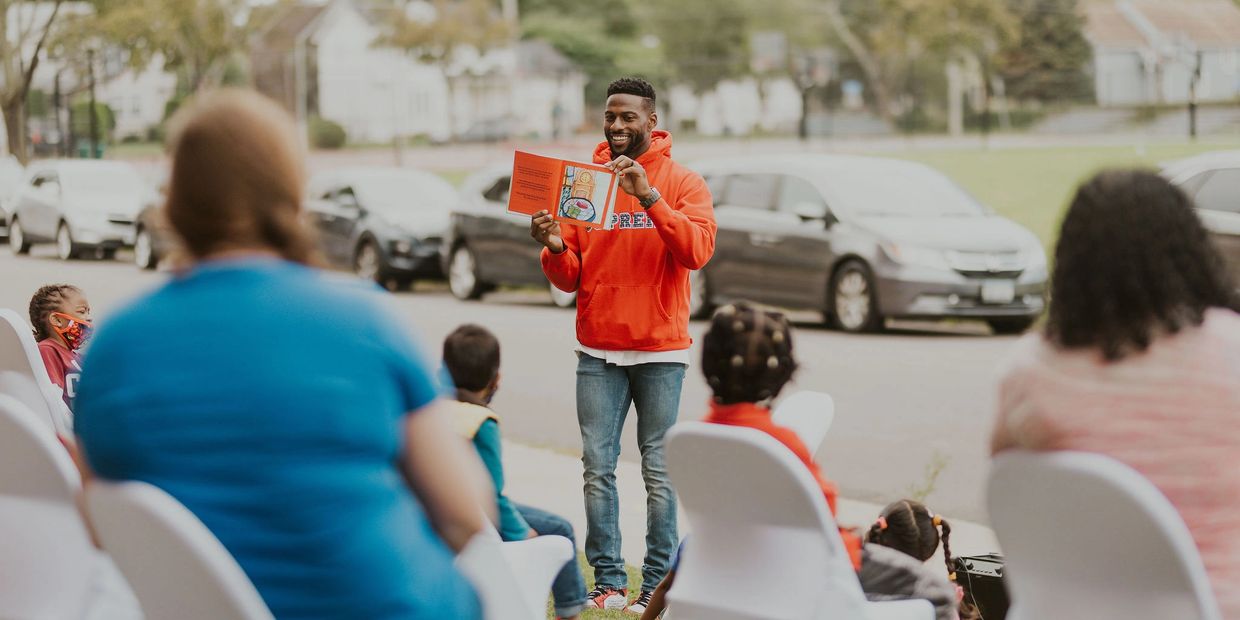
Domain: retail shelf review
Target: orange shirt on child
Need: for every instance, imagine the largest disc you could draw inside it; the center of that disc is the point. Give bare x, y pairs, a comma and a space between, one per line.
751, 415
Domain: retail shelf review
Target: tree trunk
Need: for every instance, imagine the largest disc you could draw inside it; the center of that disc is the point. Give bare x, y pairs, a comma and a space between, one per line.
15, 128
869, 65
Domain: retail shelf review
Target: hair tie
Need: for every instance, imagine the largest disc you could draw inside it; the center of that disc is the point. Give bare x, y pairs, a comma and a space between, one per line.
737, 361
772, 362
937, 520
882, 523
951, 576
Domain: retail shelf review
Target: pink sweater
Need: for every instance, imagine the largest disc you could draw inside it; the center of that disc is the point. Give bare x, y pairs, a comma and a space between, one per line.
1172, 413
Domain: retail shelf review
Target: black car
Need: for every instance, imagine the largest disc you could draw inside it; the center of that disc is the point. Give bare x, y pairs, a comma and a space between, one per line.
384, 224
487, 246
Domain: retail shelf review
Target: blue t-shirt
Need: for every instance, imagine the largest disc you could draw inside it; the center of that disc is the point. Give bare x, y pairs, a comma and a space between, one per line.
269, 398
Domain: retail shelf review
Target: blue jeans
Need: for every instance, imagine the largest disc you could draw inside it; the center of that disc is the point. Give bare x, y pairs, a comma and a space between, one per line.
604, 393
569, 588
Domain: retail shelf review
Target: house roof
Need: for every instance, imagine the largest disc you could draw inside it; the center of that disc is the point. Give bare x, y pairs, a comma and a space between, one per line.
1106, 26
1207, 23
283, 29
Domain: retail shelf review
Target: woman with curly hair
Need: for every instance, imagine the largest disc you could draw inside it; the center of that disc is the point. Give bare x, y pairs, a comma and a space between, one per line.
1140, 359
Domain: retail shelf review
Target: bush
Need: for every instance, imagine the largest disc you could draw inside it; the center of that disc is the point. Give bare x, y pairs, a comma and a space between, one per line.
325, 134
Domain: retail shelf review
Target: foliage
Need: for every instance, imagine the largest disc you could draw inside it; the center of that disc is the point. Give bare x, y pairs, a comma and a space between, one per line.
326, 134
79, 119
195, 38
715, 48
455, 23
933, 469
1047, 59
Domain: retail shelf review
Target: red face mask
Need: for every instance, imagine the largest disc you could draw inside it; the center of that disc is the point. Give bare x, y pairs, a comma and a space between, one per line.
76, 331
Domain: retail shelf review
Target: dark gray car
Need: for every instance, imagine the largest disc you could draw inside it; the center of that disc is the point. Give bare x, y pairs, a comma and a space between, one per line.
1212, 180
487, 247
386, 224
865, 239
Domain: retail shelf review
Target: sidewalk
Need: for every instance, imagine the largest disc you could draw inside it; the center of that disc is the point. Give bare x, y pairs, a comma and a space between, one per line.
552, 481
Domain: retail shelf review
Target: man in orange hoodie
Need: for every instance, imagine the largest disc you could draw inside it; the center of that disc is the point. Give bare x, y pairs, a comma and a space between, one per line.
633, 339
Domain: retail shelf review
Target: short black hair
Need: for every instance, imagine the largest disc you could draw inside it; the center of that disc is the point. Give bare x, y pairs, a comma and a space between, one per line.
1133, 261
633, 86
471, 355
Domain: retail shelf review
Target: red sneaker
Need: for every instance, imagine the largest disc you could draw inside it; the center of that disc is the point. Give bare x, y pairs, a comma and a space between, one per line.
604, 597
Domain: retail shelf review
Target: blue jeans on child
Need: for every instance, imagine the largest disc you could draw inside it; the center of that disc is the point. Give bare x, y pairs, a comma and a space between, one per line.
569, 588
604, 394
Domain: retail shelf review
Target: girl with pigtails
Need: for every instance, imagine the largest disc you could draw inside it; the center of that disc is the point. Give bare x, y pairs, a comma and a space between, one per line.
897, 546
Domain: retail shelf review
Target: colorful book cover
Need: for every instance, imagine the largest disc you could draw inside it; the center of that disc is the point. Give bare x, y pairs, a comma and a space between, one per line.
573, 192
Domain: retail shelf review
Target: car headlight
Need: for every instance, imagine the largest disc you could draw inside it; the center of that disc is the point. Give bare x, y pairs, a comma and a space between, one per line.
914, 256
403, 247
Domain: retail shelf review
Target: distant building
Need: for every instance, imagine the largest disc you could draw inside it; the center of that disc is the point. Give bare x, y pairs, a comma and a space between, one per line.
1145, 51
322, 60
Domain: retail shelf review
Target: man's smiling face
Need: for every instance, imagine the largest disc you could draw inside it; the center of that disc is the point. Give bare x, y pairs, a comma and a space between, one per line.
627, 124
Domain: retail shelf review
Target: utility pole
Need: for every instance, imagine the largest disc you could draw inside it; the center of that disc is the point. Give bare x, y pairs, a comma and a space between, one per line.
94, 118
60, 130
1192, 97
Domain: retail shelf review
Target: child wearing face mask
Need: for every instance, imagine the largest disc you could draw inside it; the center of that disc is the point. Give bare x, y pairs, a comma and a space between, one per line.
471, 358
60, 315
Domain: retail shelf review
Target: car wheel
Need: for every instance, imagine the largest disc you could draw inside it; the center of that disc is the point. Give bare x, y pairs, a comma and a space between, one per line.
463, 274
144, 250
366, 262
1008, 327
854, 300
66, 248
700, 305
562, 299
17, 238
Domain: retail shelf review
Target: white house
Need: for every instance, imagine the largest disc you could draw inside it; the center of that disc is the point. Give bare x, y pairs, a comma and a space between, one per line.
137, 98
322, 60
739, 107
1146, 51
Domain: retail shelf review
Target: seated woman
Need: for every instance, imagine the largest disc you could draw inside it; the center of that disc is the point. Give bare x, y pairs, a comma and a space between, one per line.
283, 406
1140, 359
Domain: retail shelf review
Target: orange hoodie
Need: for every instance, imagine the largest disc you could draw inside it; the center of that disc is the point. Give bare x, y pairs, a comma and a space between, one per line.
633, 279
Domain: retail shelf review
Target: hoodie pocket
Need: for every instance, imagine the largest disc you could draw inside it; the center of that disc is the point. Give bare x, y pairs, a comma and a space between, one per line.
625, 317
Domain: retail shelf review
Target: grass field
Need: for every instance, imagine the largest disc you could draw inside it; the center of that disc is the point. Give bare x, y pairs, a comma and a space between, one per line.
1033, 185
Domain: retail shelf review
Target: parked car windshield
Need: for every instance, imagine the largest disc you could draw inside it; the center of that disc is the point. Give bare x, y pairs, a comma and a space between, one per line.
405, 190
905, 191
104, 179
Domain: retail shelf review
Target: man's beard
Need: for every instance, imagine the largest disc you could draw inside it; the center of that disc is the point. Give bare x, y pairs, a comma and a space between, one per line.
634, 147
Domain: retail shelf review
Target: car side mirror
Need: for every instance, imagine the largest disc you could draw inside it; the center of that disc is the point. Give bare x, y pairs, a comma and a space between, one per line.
348, 201
814, 212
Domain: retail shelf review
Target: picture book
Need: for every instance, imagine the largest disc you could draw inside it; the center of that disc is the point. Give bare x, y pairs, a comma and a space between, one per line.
573, 192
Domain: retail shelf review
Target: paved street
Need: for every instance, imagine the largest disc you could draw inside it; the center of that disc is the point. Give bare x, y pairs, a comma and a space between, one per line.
905, 400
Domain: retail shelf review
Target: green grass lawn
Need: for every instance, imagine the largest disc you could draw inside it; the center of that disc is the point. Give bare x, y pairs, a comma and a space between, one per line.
1033, 185
635, 583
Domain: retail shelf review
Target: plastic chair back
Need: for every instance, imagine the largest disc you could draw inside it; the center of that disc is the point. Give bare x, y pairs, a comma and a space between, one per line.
1086, 536
176, 567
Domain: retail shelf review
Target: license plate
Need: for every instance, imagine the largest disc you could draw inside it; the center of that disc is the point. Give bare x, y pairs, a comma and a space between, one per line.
998, 291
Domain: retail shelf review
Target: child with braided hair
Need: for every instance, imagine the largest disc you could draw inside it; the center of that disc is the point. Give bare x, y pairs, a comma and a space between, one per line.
897, 545
60, 316
747, 358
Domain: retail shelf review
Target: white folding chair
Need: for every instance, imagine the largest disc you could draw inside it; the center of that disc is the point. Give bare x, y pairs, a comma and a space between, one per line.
809, 414
177, 568
23, 376
47, 561
763, 544
518, 572
1085, 536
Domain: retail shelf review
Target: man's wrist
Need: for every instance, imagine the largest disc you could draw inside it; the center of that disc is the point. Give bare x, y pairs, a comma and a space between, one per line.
649, 199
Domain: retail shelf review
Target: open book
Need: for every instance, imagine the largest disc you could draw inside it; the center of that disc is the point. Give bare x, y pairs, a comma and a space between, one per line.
573, 192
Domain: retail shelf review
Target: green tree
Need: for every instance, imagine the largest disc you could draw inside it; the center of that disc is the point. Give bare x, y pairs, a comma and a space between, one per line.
715, 47
901, 46
197, 39
1046, 61
24, 31
453, 25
